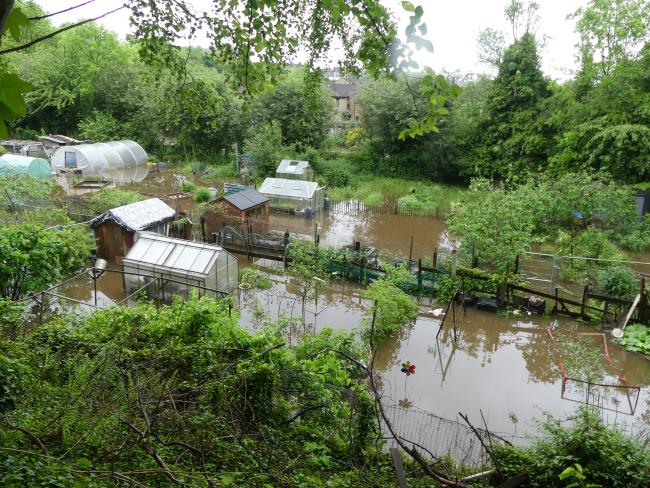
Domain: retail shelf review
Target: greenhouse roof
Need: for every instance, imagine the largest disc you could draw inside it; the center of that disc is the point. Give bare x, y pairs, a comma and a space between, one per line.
293, 166
99, 158
246, 199
171, 254
137, 216
15, 164
289, 188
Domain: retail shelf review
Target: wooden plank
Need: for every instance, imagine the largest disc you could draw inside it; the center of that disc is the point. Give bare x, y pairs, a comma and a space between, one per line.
399, 468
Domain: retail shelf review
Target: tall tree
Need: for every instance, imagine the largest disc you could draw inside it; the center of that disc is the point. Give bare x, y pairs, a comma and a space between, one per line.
611, 31
513, 138
302, 106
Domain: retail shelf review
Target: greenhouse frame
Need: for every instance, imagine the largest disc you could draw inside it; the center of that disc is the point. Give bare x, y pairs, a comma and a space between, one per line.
293, 169
179, 266
99, 159
13, 164
293, 195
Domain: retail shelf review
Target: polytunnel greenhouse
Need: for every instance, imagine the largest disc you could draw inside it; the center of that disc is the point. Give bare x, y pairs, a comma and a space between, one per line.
13, 164
99, 159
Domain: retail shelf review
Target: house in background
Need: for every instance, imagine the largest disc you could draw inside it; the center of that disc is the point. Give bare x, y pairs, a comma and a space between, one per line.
292, 169
343, 94
115, 229
246, 209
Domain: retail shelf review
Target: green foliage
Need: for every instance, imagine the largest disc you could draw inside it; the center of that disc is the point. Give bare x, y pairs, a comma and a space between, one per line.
619, 281
576, 477
187, 375
33, 258
301, 106
266, 147
252, 277
108, 198
496, 224
637, 236
607, 457
636, 338
202, 194
514, 144
221, 171
187, 186
392, 308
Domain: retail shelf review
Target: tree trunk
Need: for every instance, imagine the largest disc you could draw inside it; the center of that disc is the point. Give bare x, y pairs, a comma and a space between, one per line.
5, 8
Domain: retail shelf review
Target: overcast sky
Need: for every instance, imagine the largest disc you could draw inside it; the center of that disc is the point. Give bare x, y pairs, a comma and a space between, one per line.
453, 27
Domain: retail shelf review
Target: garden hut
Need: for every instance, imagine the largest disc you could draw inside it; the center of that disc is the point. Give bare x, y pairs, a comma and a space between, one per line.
292, 169
115, 229
13, 164
293, 196
180, 265
247, 208
99, 159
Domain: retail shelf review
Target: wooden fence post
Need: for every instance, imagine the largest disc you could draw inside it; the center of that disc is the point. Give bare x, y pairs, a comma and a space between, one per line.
583, 304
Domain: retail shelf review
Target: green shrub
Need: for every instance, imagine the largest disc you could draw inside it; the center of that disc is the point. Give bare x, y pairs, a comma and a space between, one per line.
608, 457
109, 198
187, 186
202, 194
619, 281
254, 278
221, 171
637, 237
636, 338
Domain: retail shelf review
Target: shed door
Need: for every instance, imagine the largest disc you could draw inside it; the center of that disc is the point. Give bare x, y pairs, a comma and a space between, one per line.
109, 239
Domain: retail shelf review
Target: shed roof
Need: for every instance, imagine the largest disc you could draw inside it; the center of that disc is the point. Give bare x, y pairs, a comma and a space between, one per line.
246, 199
293, 166
343, 90
137, 216
172, 254
289, 188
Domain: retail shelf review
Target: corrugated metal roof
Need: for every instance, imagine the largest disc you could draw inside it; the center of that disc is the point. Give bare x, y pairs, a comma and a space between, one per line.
137, 216
288, 188
246, 199
171, 254
293, 166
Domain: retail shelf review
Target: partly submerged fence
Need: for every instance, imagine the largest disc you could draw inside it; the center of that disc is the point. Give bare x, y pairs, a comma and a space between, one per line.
354, 207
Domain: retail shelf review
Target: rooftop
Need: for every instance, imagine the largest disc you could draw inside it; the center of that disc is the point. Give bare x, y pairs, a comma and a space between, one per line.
246, 199
289, 188
168, 253
137, 216
294, 166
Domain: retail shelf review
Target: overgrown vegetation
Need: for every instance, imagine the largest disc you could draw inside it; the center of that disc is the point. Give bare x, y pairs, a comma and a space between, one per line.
187, 395
607, 456
636, 338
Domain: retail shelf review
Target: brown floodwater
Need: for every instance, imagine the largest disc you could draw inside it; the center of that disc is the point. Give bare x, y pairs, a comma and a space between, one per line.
504, 369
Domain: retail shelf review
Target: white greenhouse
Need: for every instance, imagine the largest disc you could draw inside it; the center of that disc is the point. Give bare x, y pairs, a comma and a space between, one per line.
99, 159
293, 196
292, 169
180, 266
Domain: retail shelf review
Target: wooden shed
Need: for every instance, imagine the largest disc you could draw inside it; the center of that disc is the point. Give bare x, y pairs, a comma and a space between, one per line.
115, 229
247, 209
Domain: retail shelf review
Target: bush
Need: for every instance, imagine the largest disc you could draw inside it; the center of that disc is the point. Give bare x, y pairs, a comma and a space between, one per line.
636, 338
608, 457
618, 281
221, 171
202, 194
187, 186
109, 198
335, 173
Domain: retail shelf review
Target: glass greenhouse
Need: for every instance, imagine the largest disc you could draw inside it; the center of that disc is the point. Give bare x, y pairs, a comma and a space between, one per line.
181, 265
292, 169
99, 159
293, 195
20, 165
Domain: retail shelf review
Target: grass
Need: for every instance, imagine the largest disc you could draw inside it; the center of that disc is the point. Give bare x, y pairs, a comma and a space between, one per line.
408, 194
